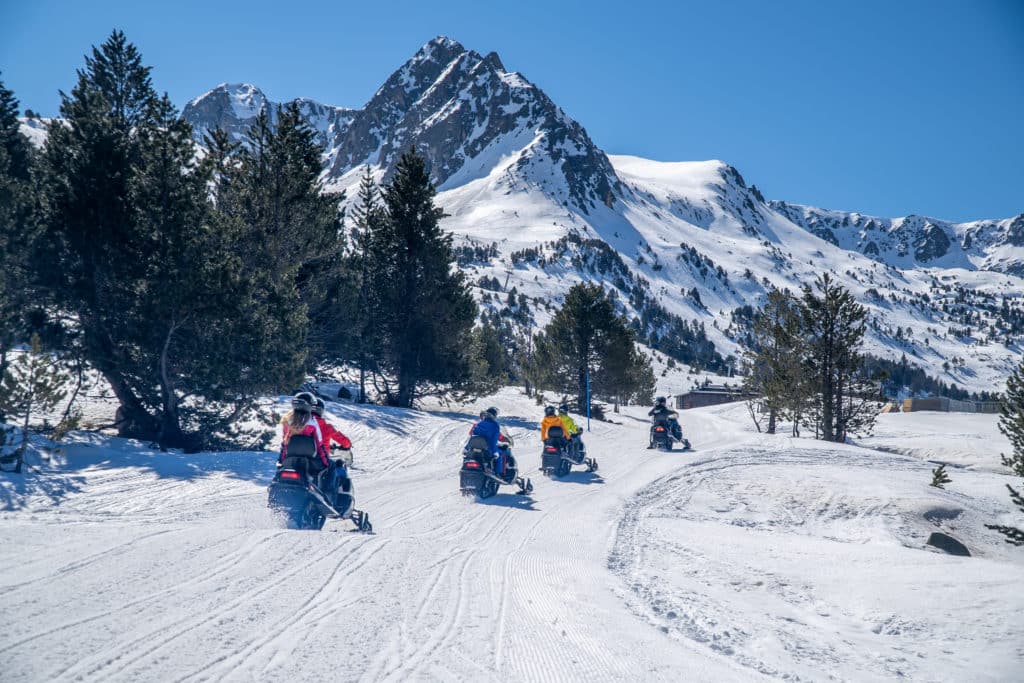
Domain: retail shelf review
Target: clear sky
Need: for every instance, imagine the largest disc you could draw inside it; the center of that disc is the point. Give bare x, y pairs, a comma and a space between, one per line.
888, 108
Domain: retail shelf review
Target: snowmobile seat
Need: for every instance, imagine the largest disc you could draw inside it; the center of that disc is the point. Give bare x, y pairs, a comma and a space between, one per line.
301, 446
556, 434
478, 444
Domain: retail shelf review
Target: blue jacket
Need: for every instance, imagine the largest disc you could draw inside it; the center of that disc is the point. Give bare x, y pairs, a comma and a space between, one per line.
490, 430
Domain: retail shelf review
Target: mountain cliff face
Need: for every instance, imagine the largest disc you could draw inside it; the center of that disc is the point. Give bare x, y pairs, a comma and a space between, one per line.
233, 107
917, 241
457, 107
686, 247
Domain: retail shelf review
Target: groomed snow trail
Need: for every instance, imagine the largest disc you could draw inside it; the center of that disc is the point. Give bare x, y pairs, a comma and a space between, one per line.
727, 563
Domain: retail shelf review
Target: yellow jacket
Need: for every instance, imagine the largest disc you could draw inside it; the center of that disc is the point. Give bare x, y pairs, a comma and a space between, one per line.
570, 425
548, 422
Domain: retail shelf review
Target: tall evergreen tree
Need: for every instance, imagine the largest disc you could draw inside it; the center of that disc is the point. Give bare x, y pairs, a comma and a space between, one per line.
422, 305
777, 372
95, 258
293, 285
1011, 420
368, 216
833, 325
586, 338
17, 225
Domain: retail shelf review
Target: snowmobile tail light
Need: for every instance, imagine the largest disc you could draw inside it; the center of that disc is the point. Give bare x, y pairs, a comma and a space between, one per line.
471, 464
659, 429
290, 474
551, 449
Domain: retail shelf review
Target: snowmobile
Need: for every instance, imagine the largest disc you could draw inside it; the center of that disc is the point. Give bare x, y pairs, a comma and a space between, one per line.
297, 491
666, 431
477, 475
560, 454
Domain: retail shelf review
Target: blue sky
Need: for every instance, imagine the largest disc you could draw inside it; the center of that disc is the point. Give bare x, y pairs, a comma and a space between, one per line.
888, 108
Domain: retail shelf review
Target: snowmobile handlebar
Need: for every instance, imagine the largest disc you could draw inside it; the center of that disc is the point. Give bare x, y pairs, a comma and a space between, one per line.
346, 453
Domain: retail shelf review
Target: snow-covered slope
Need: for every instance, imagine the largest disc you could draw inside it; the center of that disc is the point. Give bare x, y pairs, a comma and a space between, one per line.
752, 557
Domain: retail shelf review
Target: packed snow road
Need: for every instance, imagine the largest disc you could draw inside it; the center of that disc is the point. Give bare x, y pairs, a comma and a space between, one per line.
751, 557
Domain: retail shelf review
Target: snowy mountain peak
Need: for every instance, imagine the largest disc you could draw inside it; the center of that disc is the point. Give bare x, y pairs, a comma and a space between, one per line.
233, 107
468, 116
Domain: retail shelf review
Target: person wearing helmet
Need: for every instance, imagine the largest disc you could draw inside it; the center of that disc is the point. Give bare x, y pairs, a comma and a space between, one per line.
571, 429
489, 428
300, 421
551, 420
660, 408
330, 433
660, 413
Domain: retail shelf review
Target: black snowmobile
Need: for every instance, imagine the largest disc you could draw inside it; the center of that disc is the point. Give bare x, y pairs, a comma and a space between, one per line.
560, 454
297, 491
665, 431
477, 476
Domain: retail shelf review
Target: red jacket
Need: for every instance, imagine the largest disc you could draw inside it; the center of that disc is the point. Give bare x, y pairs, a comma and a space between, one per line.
311, 429
329, 432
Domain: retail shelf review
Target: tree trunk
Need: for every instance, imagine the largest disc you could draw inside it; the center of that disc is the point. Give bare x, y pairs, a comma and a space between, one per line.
581, 378
171, 435
24, 435
406, 388
772, 415
3, 369
132, 419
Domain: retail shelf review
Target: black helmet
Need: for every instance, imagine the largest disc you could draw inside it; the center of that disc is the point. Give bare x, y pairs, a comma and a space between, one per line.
303, 401
661, 401
563, 409
492, 411
318, 406
549, 410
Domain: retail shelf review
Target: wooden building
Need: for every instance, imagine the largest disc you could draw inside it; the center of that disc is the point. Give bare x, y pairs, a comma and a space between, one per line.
710, 395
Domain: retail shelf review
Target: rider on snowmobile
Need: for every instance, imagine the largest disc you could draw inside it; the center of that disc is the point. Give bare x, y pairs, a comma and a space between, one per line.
660, 409
572, 430
330, 432
488, 428
551, 420
662, 413
301, 421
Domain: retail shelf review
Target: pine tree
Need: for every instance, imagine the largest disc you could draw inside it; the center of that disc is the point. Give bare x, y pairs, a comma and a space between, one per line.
95, 259
1011, 424
777, 371
490, 365
32, 384
17, 226
1014, 536
368, 216
422, 306
833, 326
939, 477
587, 339
1011, 420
